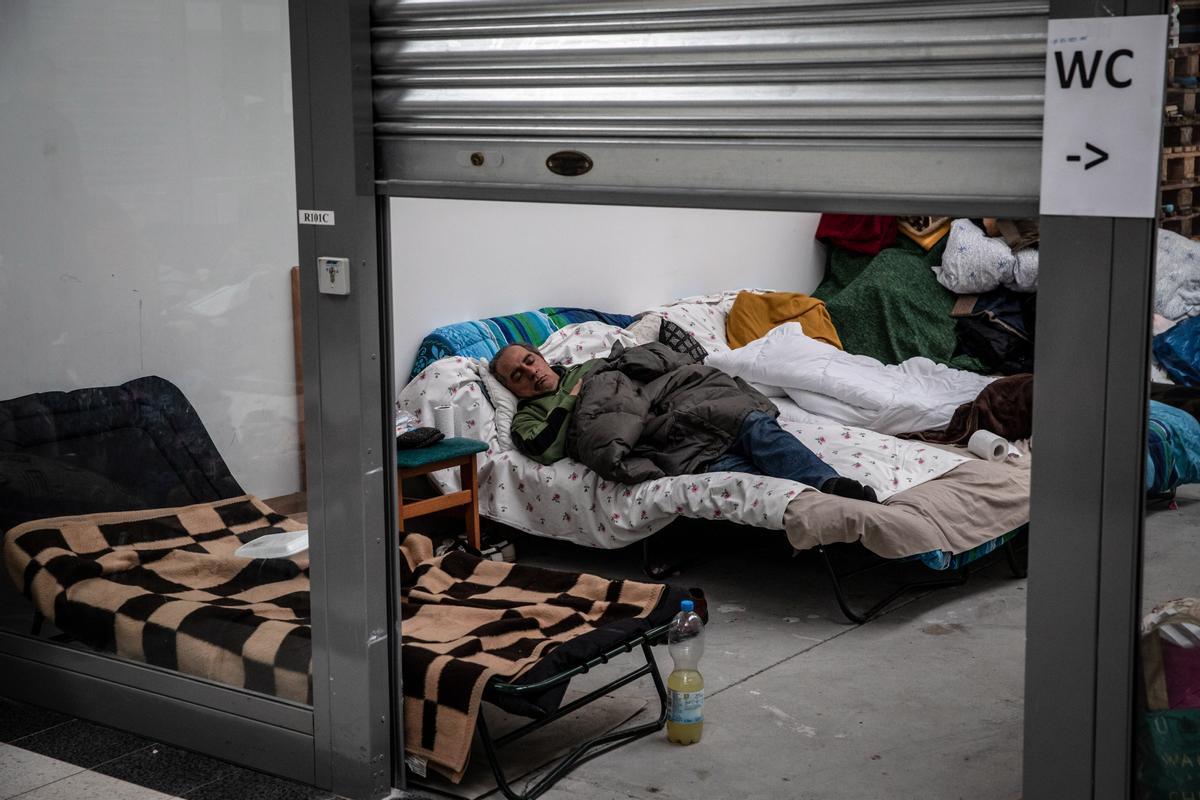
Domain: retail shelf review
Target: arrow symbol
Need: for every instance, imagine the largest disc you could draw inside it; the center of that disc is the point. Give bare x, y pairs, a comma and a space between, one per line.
1102, 156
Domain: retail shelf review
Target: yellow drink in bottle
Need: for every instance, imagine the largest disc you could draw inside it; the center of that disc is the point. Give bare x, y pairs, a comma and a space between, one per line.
685, 684
684, 688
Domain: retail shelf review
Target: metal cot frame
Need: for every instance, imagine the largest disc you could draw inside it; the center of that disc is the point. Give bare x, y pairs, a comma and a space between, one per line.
1085, 587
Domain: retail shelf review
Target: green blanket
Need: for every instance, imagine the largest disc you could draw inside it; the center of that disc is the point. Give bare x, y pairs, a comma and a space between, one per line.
891, 307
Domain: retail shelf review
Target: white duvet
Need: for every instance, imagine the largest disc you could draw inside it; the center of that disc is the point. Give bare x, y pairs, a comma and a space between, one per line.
839, 387
569, 501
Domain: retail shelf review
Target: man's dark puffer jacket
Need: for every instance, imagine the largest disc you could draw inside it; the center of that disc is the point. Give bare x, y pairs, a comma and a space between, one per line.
652, 412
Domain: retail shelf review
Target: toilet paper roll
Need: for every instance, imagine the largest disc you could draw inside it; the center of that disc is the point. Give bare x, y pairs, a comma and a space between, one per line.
988, 446
443, 420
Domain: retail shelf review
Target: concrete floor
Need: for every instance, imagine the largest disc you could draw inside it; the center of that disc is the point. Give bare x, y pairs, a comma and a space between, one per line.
923, 702
1170, 555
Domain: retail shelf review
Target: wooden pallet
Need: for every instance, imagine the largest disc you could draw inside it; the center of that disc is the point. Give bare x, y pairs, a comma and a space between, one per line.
1183, 62
1181, 132
1183, 97
1178, 195
1180, 173
1183, 224
1180, 165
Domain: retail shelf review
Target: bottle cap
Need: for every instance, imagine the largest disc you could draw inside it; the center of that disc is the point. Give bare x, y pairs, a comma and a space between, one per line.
686, 605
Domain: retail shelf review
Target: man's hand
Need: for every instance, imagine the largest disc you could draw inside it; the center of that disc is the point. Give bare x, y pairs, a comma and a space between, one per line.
576, 389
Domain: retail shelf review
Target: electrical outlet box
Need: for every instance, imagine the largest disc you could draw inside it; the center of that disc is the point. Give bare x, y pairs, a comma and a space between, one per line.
334, 275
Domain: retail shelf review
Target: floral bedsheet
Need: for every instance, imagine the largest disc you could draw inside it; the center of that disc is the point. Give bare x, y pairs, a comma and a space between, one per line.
570, 501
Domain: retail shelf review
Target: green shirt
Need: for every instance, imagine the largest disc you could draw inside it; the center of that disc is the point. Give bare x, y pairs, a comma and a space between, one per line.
539, 428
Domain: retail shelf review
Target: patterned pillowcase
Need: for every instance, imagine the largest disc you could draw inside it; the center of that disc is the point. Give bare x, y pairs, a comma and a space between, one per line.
681, 341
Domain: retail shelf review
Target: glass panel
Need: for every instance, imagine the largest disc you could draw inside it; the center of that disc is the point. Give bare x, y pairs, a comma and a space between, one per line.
1168, 695
806, 700
150, 349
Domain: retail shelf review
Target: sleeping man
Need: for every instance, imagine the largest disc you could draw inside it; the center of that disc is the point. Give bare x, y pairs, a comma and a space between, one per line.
647, 412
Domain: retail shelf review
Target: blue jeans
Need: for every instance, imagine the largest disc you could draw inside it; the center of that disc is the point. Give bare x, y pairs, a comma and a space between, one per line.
764, 448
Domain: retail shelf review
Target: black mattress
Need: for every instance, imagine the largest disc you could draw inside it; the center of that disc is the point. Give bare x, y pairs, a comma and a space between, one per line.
115, 448
583, 648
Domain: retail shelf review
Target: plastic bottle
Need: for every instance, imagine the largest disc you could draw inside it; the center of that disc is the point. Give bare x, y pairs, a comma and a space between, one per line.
685, 685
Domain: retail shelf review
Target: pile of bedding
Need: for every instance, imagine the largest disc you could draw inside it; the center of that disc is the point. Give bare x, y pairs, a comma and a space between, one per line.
965, 297
568, 501
913, 322
942, 289
838, 387
1176, 276
891, 307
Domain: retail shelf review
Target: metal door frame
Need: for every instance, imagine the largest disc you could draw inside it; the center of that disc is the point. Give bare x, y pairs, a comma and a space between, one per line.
351, 476
1088, 503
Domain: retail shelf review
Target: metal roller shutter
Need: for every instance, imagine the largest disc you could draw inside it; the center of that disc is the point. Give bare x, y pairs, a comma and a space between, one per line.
804, 104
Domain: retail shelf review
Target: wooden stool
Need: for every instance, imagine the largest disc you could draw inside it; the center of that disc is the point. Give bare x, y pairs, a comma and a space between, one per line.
446, 454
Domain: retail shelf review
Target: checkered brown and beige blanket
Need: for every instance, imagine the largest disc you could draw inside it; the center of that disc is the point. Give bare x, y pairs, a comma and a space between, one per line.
164, 587
468, 619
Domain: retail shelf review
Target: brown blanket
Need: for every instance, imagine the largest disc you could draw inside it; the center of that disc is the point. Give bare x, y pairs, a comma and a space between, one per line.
971, 504
468, 619
164, 587
1004, 407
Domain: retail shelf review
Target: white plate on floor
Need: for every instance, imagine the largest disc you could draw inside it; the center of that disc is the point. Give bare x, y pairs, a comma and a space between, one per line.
275, 545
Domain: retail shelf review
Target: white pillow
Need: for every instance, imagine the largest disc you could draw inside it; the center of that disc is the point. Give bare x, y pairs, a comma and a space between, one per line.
504, 403
570, 345
645, 329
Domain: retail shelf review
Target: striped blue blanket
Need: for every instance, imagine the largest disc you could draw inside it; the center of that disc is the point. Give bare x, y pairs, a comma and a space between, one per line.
483, 338
1172, 448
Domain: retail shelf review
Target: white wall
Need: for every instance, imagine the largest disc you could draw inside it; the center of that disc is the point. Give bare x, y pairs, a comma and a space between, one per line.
147, 222
456, 260
147, 200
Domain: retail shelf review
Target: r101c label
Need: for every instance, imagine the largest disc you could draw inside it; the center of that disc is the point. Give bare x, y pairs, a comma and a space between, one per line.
309, 216
685, 707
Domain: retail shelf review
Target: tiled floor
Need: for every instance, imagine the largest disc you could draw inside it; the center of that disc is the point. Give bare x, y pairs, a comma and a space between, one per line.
48, 756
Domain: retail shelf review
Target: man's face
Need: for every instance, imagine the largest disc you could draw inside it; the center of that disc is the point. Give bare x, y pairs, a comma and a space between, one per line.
525, 374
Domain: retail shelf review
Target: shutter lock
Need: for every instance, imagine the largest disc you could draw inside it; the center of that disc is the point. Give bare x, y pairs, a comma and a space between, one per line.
569, 163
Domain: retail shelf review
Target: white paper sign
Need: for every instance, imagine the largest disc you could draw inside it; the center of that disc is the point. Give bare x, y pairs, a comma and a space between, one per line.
310, 216
1104, 113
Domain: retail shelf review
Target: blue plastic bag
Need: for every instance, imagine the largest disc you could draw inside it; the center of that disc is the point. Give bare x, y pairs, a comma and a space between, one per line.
1178, 351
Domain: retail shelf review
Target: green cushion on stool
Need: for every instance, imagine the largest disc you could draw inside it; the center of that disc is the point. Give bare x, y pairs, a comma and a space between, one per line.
442, 451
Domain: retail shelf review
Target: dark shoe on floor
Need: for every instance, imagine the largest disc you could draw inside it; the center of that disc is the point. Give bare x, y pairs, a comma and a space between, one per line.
848, 487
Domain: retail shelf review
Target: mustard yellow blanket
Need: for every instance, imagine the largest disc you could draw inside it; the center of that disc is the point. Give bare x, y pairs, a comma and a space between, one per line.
754, 315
